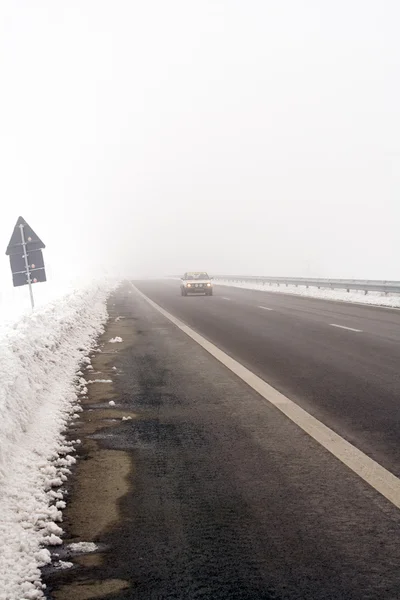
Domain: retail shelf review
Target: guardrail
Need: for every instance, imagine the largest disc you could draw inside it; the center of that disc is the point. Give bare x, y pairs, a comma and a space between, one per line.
365, 285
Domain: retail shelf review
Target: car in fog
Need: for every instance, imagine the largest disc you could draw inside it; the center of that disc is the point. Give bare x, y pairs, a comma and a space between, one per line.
196, 282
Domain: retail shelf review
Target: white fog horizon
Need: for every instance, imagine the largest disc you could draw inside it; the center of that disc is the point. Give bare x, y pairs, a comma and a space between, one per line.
148, 139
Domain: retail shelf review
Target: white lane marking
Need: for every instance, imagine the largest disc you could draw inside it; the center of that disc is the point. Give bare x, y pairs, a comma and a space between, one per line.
265, 308
365, 467
344, 327
225, 298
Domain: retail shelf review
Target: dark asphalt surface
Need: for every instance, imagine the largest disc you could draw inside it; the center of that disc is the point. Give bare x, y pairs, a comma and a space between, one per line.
348, 380
229, 499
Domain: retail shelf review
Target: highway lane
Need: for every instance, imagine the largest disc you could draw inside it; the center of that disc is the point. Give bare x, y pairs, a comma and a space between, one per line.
227, 499
349, 380
379, 321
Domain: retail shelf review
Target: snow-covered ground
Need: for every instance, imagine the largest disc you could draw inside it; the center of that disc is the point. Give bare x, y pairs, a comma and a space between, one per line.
15, 302
375, 298
40, 355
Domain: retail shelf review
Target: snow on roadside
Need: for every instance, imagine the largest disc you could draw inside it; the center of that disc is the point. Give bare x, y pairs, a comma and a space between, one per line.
39, 358
82, 547
372, 298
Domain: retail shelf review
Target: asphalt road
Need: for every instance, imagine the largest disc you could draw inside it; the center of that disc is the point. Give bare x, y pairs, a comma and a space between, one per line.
228, 499
350, 380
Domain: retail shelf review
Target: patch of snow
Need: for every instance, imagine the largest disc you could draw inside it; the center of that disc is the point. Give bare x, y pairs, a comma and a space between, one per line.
111, 403
114, 368
100, 381
63, 564
126, 418
39, 357
372, 298
116, 340
82, 547
53, 540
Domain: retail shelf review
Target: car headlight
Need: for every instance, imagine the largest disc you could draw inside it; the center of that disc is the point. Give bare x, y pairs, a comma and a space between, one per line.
208, 284
189, 285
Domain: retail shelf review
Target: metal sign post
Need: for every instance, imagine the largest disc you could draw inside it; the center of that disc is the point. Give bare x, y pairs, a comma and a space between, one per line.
28, 274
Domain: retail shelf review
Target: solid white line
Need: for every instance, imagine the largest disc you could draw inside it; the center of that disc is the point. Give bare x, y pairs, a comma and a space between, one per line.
265, 308
224, 298
369, 470
344, 327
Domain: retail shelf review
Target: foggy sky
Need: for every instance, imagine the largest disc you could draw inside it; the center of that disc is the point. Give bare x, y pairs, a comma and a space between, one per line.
250, 136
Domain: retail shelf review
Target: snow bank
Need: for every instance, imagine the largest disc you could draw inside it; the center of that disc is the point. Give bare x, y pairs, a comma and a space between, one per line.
374, 298
39, 358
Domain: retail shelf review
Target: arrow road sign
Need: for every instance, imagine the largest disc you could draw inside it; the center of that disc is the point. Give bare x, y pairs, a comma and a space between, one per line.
26, 258
32, 241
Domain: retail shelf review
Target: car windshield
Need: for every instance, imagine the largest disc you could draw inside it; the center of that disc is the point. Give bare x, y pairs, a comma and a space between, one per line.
194, 276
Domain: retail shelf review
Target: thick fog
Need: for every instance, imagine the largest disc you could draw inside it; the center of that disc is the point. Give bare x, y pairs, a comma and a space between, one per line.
235, 136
